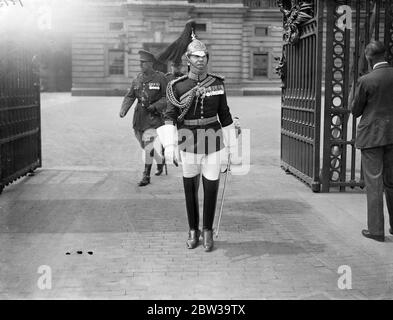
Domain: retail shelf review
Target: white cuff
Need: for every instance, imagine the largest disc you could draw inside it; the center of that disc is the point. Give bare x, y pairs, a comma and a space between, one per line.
167, 135
229, 135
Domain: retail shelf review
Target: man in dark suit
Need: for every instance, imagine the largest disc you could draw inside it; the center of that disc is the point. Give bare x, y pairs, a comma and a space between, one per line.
373, 101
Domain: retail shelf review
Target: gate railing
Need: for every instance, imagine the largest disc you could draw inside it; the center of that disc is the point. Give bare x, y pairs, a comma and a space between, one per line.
20, 123
345, 62
349, 26
301, 100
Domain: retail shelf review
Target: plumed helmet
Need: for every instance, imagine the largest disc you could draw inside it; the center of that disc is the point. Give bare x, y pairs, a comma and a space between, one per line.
197, 48
186, 43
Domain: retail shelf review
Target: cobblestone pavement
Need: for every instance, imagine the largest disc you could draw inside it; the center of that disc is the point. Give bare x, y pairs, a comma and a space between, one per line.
278, 240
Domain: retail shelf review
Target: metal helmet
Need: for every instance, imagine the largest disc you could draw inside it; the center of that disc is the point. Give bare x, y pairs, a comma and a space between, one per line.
197, 47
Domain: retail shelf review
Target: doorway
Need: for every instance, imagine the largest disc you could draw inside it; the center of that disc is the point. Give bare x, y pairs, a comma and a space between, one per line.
260, 65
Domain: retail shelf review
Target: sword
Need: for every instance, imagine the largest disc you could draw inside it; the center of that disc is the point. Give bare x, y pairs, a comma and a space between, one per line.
223, 193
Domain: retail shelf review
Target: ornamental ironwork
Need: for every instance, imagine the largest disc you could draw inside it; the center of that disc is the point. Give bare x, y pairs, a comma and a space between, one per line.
294, 16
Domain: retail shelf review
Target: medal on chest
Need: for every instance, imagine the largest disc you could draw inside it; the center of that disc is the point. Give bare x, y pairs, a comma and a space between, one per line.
215, 90
154, 86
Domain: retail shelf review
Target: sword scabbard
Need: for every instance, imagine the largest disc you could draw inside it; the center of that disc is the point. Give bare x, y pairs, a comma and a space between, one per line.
223, 194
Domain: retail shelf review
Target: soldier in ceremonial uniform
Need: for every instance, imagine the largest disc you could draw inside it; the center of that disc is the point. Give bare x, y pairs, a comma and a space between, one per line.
149, 88
198, 122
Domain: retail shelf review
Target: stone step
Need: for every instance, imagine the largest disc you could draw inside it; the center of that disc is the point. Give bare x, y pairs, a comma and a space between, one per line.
257, 91
270, 83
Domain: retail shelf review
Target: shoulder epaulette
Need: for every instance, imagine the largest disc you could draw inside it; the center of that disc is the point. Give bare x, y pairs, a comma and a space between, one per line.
217, 76
176, 80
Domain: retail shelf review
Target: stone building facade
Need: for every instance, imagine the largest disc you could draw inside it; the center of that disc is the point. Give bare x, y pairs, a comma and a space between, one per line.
244, 38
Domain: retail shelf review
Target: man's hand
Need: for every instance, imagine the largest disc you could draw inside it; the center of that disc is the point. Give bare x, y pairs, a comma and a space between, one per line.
122, 113
151, 108
170, 155
126, 105
231, 143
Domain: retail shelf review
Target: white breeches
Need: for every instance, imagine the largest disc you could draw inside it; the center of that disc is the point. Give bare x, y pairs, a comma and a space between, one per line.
209, 165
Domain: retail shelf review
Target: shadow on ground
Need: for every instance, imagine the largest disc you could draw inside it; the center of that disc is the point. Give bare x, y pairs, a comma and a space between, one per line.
269, 206
237, 251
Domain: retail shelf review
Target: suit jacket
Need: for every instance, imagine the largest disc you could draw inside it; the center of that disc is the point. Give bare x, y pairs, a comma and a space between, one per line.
150, 91
373, 101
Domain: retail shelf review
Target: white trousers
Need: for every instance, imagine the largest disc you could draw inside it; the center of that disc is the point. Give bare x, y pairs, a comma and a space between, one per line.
209, 165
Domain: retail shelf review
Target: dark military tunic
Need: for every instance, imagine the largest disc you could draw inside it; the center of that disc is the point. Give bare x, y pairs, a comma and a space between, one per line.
150, 91
200, 138
170, 76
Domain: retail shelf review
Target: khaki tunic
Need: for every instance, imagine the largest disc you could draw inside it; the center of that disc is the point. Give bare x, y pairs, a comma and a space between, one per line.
150, 91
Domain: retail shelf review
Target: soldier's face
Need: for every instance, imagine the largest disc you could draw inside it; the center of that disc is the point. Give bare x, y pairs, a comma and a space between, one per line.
198, 62
146, 66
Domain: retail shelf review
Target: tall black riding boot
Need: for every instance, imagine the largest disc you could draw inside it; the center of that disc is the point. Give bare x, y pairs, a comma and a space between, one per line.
160, 159
210, 192
160, 169
146, 176
191, 186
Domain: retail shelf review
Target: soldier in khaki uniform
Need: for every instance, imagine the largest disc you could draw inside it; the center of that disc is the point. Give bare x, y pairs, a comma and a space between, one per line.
149, 88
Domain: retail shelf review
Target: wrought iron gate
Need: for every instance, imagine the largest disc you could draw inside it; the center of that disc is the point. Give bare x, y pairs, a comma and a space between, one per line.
350, 25
20, 123
345, 62
301, 99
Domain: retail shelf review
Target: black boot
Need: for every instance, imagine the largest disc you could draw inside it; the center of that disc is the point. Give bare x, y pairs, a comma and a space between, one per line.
160, 169
146, 176
210, 192
191, 186
193, 239
160, 159
208, 240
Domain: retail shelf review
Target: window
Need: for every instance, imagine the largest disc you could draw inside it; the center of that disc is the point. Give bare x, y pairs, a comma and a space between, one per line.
200, 27
116, 26
116, 61
260, 4
260, 64
158, 25
261, 31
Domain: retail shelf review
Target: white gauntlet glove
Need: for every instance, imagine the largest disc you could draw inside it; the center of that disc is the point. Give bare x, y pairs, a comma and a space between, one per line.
168, 138
231, 143
170, 154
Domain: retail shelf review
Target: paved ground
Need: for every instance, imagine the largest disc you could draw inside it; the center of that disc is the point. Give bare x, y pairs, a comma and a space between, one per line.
278, 240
